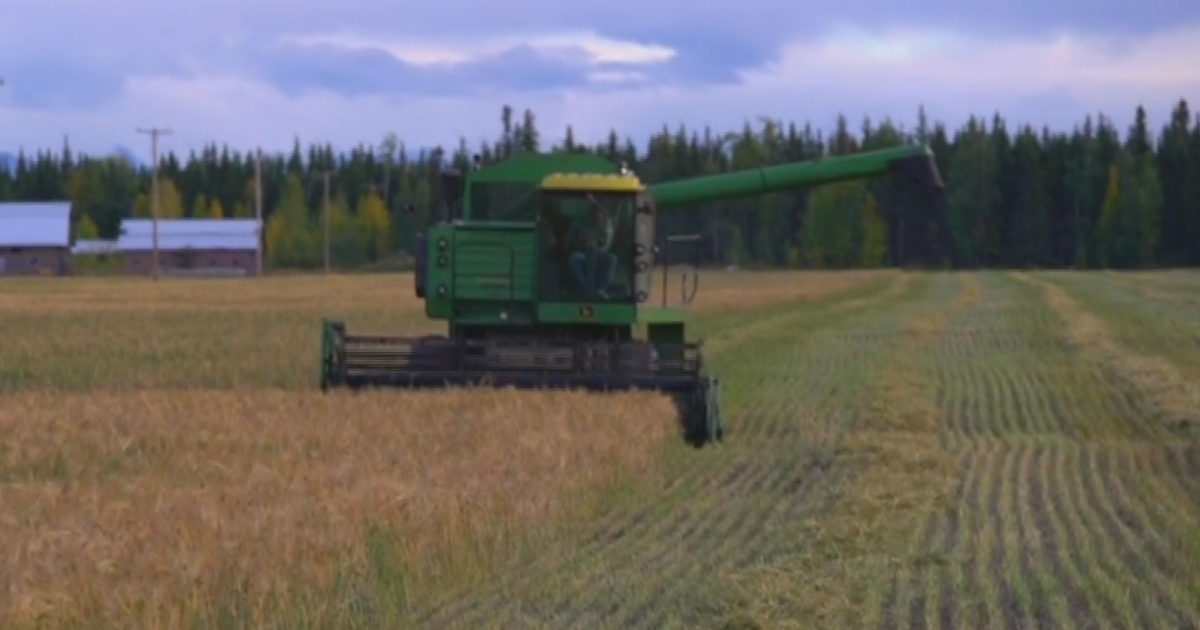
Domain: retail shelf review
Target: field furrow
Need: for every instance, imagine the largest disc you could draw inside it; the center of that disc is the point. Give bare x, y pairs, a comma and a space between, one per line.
993, 414
915, 604
1132, 540
1048, 549
967, 599
969, 603
1056, 499
1048, 419
1154, 345
1001, 562
968, 410
897, 588
1107, 557
1054, 540
1183, 293
1035, 583
899, 414
1169, 504
934, 591
1022, 403
1159, 525
1182, 467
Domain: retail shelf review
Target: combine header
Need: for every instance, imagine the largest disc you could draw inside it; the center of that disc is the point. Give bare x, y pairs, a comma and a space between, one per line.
543, 270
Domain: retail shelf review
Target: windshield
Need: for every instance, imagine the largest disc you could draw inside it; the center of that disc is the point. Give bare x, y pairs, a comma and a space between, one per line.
587, 240
576, 205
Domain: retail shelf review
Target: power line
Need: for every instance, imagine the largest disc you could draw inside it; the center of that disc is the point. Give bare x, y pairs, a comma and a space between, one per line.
154, 133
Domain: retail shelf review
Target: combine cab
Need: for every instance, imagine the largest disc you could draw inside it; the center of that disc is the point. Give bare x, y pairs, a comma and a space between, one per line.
543, 271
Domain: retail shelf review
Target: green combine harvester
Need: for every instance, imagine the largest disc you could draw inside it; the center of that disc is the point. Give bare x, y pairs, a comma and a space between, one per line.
543, 269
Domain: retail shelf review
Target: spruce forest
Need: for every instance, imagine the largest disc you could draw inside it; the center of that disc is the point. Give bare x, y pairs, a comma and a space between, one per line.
1016, 196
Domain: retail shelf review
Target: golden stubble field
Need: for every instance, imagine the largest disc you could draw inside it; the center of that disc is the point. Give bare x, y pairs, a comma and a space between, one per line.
167, 459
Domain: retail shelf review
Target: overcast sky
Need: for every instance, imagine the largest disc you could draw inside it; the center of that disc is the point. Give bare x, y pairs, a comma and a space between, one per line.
259, 73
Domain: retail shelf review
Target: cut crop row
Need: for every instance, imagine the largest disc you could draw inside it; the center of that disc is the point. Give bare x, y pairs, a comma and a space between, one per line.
839, 572
1145, 320
1055, 536
1036, 542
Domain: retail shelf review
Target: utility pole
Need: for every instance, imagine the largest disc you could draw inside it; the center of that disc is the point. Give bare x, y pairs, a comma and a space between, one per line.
325, 176
154, 133
258, 215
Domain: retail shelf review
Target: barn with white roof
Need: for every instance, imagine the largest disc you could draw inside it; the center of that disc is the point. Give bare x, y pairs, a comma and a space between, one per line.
191, 246
35, 238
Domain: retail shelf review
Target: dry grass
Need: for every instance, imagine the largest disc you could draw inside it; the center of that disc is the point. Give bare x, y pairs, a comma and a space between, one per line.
1152, 288
827, 289
155, 470
1174, 397
151, 509
898, 282
723, 292
303, 294
900, 398
84, 334
906, 473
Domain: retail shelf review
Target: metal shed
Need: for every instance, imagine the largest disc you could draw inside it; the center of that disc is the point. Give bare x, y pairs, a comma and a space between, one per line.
35, 238
191, 246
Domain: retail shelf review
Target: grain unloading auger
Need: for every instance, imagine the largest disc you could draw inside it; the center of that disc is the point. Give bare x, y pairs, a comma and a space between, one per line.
531, 305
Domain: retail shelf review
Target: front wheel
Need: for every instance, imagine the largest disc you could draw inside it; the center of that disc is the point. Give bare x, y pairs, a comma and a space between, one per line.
703, 423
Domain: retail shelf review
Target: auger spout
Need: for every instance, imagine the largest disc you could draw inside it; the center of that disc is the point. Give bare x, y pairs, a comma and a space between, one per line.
915, 162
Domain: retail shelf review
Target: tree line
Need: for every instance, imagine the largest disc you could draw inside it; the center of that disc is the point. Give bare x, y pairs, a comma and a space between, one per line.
1093, 197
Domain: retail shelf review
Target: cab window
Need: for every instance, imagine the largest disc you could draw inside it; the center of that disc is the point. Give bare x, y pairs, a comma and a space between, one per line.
587, 241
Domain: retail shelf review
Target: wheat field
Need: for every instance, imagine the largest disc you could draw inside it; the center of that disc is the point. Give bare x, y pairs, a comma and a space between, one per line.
167, 459
904, 450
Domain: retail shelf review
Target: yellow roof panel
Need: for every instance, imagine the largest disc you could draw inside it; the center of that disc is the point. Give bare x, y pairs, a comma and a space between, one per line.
592, 182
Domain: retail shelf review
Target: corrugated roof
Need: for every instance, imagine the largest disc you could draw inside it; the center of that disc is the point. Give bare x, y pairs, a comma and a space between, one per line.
94, 247
35, 224
181, 234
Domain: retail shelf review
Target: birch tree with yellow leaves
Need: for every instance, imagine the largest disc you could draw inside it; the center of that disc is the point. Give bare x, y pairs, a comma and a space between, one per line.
375, 226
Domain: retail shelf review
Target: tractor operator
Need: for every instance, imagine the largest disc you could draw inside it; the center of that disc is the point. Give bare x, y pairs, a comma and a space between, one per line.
591, 236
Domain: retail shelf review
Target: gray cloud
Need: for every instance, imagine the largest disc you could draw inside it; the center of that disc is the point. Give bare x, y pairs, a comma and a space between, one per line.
79, 53
297, 70
373, 71
709, 19
60, 47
